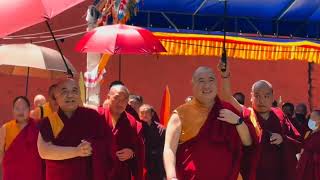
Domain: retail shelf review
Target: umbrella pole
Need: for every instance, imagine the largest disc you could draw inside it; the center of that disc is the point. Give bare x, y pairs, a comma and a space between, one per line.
119, 67
224, 51
59, 49
27, 84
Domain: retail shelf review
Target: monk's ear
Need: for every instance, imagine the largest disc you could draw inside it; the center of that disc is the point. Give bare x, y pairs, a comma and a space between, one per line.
251, 98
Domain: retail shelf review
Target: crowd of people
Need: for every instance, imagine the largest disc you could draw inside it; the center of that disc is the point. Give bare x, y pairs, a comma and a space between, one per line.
209, 137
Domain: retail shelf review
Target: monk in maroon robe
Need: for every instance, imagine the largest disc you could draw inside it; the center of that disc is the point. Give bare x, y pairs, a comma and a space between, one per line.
74, 141
309, 163
126, 146
273, 154
204, 137
18, 143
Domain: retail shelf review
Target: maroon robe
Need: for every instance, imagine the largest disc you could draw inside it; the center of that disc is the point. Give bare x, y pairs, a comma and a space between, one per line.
300, 125
21, 160
309, 164
85, 124
267, 161
125, 135
214, 153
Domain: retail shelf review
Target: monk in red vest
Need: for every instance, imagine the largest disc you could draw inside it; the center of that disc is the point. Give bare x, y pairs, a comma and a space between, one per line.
274, 153
18, 145
74, 141
205, 136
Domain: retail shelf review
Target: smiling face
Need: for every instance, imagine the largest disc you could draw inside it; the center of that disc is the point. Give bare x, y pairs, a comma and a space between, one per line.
118, 98
262, 96
204, 85
67, 95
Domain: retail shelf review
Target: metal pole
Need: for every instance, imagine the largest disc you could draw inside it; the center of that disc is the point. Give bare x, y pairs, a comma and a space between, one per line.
310, 86
59, 49
27, 84
119, 67
224, 51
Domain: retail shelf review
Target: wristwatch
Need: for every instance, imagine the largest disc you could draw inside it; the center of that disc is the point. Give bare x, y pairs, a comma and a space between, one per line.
240, 121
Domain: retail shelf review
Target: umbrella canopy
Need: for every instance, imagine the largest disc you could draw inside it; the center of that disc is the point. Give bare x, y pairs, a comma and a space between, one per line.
19, 59
29, 12
120, 39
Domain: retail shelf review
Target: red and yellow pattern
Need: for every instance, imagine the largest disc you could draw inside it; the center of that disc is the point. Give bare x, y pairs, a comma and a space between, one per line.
238, 47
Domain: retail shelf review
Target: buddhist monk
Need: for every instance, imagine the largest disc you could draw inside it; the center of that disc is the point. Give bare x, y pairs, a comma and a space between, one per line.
18, 145
300, 121
74, 141
204, 137
274, 154
47, 108
132, 108
126, 144
39, 100
309, 163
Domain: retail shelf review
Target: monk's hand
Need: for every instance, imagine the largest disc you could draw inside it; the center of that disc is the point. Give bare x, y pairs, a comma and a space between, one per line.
276, 139
84, 149
224, 74
125, 154
228, 116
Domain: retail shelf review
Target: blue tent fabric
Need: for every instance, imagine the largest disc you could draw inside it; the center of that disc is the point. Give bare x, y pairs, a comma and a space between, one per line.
298, 18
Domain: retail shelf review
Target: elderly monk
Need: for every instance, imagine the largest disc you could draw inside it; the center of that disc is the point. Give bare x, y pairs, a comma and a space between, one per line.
273, 156
204, 137
18, 145
309, 163
74, 141
126, 140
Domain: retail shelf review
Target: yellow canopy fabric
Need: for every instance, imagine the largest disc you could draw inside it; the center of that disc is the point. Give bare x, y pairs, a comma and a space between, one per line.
238, 47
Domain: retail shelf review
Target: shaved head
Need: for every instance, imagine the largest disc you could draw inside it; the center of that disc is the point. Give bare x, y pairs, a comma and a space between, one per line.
119, 88
262, 84
204, 85
117, 99
67, 94
201, 70
315, 116
262, 97
39, 100
66, 81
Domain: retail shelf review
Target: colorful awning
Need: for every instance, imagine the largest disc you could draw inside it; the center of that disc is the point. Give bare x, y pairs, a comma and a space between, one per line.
239, 47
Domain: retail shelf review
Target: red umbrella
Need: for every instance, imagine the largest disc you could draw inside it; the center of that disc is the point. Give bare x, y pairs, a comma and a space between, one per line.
120, 39
19, 14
